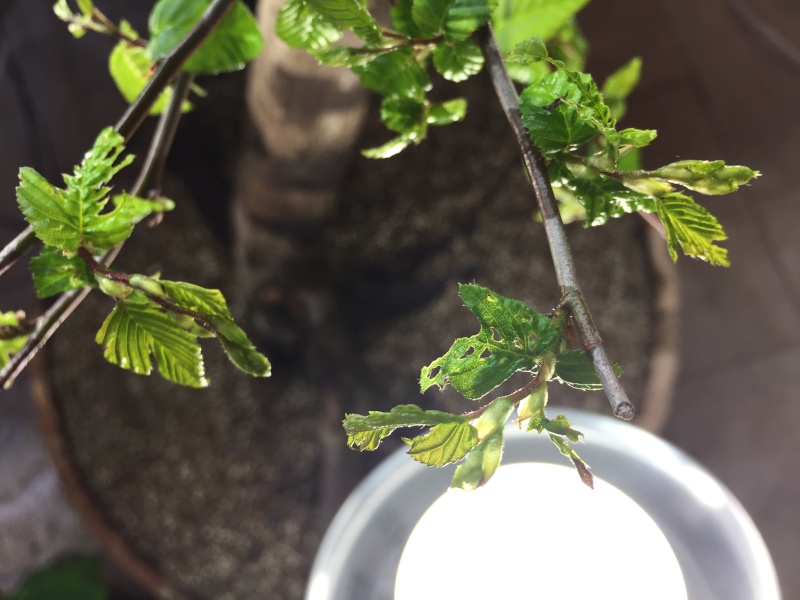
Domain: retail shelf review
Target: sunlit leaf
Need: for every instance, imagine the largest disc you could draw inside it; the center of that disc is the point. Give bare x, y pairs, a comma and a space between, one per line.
235, 42
301, 26
444, 444
511, 338
459, 60
518, 20
693, 228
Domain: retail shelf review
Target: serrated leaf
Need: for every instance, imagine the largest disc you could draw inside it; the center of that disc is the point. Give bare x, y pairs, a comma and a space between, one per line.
349, 14
691, 226
446, 113
365, 432
395, 74
130, 68
619, 85
518, 20
211, 305
458, 60
527, 52
444, 444
54, 273
583, 469
706, 177
466, 16
70, 218
563, 111
300, 26
137, 328
235, 42
512, 337
481, 463
429, 16
574, 367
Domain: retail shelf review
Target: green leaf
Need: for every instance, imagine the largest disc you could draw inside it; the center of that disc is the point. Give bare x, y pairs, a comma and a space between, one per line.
130, 68
459, 60
301, 26
527, 52
444, 444
518, 20
75, 578
706, 177
620, 84
230, 46
393, 146
467, 16
480, 464
583, 469
604, 198
512, 337
86, 7
337, 56
638, 138
137, 328
403, 19
561, 426
10, 343
396, 74
693, 228
574, 367
401, 114
563, 111
70, 218
211, 306
366, 432
349, 14
533, 405
54, 273
446, 113
429, 16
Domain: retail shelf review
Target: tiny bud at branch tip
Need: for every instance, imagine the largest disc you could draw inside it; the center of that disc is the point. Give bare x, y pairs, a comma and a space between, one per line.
625, 411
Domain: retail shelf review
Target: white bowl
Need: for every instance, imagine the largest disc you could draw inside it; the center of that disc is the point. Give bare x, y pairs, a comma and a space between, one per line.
719, 550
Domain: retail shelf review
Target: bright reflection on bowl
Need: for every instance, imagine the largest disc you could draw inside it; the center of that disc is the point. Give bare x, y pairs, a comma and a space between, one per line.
535, 531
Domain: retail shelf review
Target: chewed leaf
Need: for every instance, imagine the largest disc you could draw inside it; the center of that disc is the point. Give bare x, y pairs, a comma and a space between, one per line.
444, 444
137, 329
365, 432
512, 338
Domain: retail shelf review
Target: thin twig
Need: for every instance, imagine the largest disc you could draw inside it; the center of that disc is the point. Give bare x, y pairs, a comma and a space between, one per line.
149, 179
168, 68
572, 297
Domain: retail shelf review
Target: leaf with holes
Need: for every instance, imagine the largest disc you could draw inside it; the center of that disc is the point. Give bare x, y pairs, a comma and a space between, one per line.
365, 432
512, 338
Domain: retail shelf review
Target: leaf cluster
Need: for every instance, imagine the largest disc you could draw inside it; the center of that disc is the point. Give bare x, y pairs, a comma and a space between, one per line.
512, 338
573, 123
151, 317
133, 60
395, 62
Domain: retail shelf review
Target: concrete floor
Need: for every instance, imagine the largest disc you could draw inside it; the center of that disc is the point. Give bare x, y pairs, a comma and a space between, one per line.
714, 89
